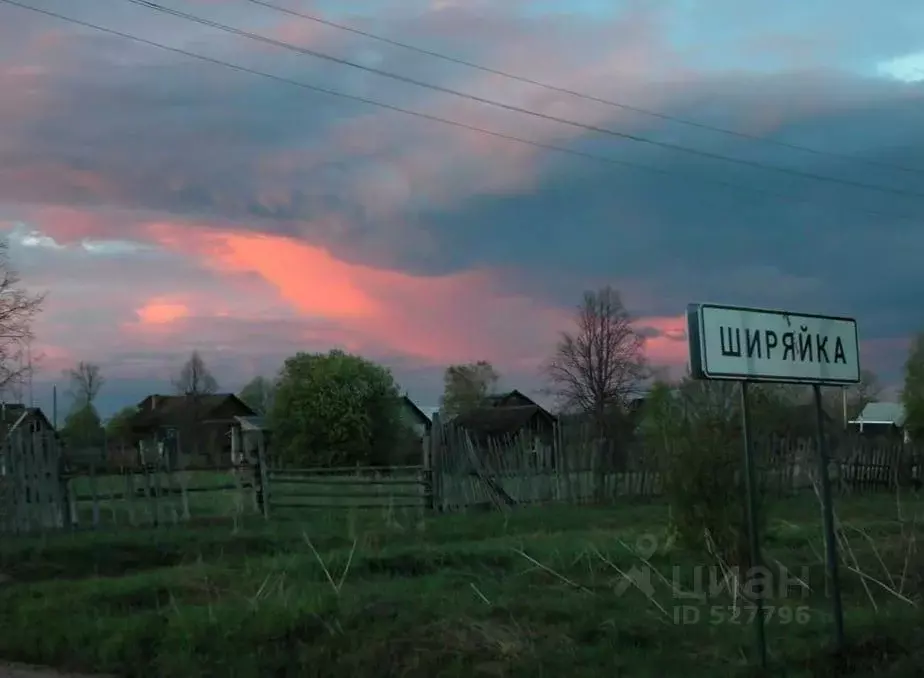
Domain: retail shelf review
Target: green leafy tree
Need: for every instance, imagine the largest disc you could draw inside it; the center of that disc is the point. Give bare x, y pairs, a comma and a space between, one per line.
466, 387
83, 428
119, 425
258, 394
913, 390
335, 409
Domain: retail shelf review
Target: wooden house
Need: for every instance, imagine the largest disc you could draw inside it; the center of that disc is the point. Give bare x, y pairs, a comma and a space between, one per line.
188, 430
881, 420
509, 417
414, 417
248, 434
15, 418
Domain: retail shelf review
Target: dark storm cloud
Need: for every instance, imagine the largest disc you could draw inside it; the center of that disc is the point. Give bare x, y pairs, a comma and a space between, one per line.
91, 120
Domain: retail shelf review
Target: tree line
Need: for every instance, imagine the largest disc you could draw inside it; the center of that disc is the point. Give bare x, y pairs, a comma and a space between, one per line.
336, 406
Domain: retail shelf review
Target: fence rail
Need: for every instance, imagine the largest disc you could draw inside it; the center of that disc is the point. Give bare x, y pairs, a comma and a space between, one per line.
356, 487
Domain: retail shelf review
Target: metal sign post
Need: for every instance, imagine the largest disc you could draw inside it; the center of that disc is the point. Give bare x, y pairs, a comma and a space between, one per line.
759, 345
754, 537
834, 582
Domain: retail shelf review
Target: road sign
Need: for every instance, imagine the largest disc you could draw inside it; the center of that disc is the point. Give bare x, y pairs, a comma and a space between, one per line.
733, 342
755, 344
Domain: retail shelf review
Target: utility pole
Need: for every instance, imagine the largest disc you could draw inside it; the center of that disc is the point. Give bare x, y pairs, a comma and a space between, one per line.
29, 373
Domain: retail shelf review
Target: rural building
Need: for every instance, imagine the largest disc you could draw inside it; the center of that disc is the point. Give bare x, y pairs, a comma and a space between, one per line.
188, 430
415, 417
511, 415
16, 417
881, 420
247, 434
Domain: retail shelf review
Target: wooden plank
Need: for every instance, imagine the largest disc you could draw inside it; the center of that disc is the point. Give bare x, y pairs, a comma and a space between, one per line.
345, 470
94, 490
343, 481
325, 507
263, 498
25, 481
282, 492
129, 497
151, 499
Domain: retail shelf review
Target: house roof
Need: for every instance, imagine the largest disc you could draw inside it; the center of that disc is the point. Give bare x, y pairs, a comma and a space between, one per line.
503, 399
500, 420
168, 409
412, 406
12, 413
254, 423
882, 413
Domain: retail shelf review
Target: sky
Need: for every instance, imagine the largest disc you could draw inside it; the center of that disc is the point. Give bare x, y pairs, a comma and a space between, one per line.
168, 204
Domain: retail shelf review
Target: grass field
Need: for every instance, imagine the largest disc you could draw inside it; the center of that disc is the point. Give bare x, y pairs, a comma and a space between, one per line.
534, 592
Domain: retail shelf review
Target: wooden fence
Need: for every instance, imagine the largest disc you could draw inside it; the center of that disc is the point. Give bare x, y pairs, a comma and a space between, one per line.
41, 490
578, 469
350, 487
31, 491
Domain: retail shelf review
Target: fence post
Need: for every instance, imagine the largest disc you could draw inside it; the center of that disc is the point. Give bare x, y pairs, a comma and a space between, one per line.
25, 484
130, 495
426, 475
435, 463
71, 498
261, 477
94, 492
149, 494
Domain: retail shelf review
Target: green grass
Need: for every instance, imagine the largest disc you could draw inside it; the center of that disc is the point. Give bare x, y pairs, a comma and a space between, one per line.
530, 593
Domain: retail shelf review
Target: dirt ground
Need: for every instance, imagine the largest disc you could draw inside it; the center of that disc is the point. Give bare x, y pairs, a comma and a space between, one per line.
23, 671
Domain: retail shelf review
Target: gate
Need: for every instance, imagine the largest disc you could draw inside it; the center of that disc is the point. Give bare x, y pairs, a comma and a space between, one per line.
32, 496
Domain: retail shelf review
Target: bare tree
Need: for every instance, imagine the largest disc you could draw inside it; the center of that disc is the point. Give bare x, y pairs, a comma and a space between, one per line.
86, 380
195, 379
602, 364
18, 309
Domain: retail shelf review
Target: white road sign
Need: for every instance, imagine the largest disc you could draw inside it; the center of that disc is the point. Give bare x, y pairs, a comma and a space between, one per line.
729, 342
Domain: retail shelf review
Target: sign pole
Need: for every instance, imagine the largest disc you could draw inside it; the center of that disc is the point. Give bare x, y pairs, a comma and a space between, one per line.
834, 583
763, 345
754, 537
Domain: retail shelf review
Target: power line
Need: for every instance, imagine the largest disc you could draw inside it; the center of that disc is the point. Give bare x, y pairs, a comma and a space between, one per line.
516, 109
582, 95
434, 118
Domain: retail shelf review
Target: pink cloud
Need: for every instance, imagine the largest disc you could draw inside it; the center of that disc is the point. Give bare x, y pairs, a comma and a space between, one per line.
160, 311
436, 319
669, 346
